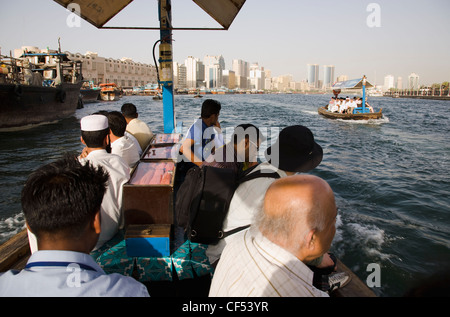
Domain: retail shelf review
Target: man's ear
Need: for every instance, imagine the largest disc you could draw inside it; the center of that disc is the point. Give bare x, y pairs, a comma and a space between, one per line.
97, 222
107, 140
310, 240
82, 141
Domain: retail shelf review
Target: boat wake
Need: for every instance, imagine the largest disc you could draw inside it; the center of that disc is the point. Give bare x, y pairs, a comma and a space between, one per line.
380, 121
364, 237
11, 226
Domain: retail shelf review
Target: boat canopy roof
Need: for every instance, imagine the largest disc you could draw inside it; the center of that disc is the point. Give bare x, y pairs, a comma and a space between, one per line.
351, 84
99, 12
62, 55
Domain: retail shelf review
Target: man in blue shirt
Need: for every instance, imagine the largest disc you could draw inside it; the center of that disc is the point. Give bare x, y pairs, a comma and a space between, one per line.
203, 135
61, 202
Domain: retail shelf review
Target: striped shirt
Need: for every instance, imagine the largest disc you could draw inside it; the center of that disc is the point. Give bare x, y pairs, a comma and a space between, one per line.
253, 266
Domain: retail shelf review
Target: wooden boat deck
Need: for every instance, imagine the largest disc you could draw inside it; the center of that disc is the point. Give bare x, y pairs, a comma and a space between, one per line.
15, 252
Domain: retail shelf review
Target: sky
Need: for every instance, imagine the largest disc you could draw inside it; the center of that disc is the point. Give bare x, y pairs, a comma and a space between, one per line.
373, 38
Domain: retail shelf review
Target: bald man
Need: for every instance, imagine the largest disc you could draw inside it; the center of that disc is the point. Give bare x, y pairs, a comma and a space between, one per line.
297, 225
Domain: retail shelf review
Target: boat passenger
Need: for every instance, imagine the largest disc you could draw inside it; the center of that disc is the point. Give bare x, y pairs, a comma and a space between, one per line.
296, 224
336, 106
94, 134
203, 135
344, 106
331, 103
295, 151
241, 152
352, 105
200, 141
66, 233
370, 107
121, 144
139, 129
359, 102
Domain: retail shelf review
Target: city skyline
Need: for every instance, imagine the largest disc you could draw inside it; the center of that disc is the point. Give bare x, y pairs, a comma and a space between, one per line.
282, 38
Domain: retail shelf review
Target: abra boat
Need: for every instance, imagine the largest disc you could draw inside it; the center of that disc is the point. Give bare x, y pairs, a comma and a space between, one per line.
110, 92
38, 88
350, 116
89, 92
359, 113
14, 253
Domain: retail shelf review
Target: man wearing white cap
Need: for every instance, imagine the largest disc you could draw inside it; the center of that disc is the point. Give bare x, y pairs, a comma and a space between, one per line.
94, 134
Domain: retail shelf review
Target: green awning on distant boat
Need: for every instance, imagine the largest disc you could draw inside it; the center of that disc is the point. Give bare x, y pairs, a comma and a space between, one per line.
99, 12
351, 84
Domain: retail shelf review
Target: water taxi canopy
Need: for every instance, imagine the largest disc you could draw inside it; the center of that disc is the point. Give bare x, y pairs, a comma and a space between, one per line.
351, 84
99, 12
360, 83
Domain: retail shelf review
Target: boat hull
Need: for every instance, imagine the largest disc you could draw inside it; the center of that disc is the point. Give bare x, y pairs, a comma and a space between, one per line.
110, 96
90, 95
23, 106
353, 116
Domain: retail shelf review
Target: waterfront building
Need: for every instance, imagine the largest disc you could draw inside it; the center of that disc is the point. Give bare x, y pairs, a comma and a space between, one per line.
299, 86
179, 76
281, 83
214, 66
413, 81
399, 83
268, 84
213, 76
212, 60
229, 79
124, 72
313, 75
242, 70
342, 78
242, 82
195, 73
388, 82
328, 76
257, 77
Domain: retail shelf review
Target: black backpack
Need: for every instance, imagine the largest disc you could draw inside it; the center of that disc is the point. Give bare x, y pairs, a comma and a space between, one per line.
203, 199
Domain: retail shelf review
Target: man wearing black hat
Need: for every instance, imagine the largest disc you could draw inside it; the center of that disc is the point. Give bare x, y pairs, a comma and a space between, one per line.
295, 151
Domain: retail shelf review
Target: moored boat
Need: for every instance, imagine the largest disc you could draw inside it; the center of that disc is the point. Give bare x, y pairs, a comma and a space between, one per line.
38, 88
89, 92
110, 92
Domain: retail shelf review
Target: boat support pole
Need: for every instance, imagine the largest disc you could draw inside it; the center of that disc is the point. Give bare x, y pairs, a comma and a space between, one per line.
166, 64
364, 94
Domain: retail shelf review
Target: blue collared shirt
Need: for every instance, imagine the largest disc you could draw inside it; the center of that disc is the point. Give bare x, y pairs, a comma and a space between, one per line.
67, 273
205, 138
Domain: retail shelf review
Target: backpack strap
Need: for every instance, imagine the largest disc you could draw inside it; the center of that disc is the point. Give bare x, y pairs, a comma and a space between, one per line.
250, 176
229, 233
258, 174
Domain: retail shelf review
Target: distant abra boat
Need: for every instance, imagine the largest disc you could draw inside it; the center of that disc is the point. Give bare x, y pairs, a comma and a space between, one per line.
358, 113
350, 116
38, 88
110, 92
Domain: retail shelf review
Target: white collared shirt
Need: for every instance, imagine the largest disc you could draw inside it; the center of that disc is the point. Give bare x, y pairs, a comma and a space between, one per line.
253, 266
111, 208
67, 273
127, 150
246, 203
